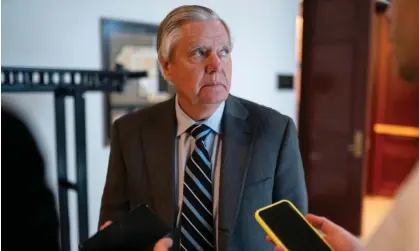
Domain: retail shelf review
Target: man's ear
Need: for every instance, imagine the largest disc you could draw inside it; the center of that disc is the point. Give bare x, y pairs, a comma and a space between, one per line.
165, 67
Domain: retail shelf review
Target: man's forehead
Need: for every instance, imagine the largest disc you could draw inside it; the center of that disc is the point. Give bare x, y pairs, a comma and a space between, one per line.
207, 30
199, 27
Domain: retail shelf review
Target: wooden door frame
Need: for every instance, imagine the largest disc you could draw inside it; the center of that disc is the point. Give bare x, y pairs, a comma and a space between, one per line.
372, 99
308, 32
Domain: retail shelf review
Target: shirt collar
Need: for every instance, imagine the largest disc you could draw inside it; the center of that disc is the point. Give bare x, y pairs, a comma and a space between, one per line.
184, 121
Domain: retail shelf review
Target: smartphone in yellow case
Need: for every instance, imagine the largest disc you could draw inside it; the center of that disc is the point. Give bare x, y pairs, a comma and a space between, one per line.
287, 227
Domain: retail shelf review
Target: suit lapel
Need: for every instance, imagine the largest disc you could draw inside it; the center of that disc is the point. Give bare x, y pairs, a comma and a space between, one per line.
236, 151
158, 146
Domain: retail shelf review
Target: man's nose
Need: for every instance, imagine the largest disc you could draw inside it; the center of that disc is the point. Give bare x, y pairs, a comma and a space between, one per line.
213, 63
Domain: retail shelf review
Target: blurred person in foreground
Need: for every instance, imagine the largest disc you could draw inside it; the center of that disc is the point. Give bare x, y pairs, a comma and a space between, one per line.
28, 208
400, 229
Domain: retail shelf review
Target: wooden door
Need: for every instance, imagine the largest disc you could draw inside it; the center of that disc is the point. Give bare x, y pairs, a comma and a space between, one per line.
395, 141
335, 77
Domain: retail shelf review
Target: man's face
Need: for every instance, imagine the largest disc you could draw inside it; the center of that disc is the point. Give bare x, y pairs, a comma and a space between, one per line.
200, 64
404, 30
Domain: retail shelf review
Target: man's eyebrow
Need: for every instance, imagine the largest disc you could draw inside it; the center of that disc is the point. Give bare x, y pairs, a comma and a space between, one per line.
194, 45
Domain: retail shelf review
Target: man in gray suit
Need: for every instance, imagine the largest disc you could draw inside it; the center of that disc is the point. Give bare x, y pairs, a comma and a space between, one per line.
205, 160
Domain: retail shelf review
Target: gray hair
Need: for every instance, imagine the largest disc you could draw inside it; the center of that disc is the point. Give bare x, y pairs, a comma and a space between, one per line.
168, 28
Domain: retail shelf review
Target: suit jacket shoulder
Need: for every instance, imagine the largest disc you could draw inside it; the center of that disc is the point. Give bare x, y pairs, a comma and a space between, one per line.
267, 119
130, 124
144, 116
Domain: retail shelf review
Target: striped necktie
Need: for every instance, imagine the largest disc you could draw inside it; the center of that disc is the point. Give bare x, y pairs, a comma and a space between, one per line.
197, 232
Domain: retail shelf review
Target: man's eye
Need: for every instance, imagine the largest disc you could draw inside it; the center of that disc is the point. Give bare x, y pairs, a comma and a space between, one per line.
225, 52
198, 53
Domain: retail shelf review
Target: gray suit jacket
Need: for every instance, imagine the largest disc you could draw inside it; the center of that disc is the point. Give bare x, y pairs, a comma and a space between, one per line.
261, 164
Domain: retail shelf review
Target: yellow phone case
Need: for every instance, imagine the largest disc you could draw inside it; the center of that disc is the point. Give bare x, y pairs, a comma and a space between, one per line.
269, 231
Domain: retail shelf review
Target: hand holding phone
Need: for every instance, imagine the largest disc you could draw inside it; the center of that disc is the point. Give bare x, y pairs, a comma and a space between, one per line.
288, 228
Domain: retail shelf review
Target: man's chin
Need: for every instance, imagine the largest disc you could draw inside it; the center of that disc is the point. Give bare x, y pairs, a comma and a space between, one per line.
212, 100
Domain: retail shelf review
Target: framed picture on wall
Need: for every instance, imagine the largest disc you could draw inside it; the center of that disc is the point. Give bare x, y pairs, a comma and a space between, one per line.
131, 46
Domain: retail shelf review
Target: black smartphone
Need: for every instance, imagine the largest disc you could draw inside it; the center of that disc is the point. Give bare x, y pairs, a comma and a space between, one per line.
287, 227
139, 230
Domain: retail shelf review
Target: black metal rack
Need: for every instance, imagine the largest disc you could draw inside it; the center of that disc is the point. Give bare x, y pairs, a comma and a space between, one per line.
67, 82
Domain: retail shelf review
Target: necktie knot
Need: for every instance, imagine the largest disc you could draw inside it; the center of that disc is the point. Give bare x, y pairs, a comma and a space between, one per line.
199, 131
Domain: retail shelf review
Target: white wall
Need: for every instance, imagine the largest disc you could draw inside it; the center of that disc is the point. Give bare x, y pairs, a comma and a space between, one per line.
65, 34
